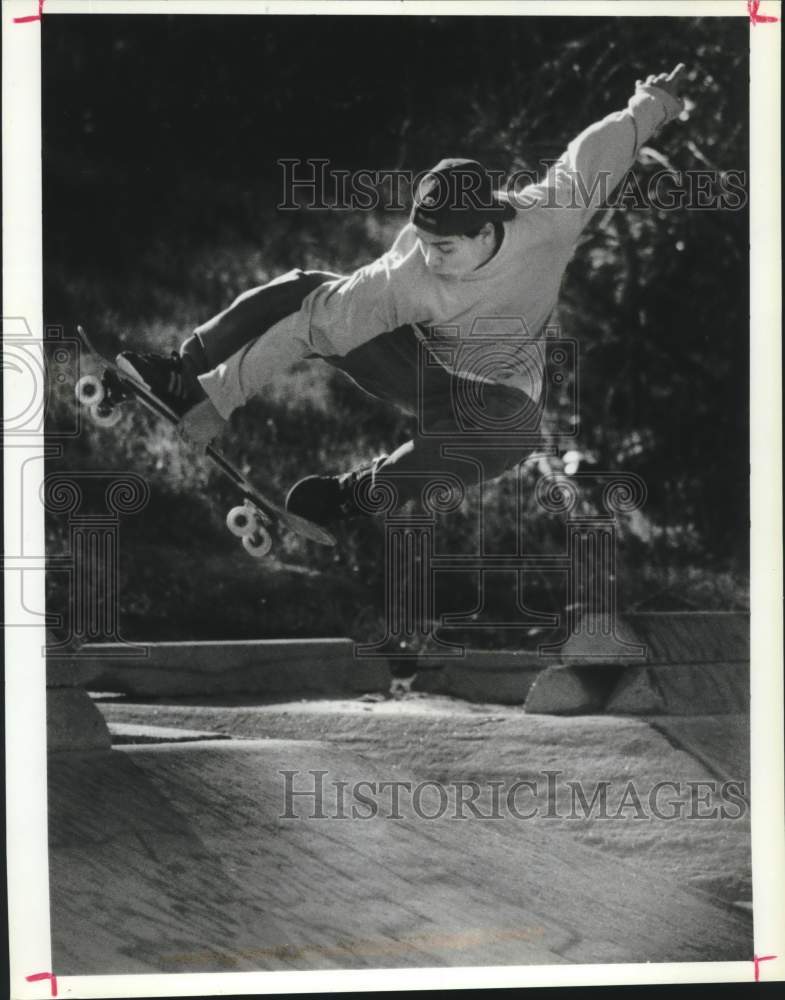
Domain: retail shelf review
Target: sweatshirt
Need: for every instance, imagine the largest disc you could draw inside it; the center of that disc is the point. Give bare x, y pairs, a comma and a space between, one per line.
501, 306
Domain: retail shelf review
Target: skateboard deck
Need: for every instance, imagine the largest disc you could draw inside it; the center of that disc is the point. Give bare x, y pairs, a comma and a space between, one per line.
104, 394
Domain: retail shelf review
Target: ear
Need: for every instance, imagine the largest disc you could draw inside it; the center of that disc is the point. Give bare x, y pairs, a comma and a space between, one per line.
487, 231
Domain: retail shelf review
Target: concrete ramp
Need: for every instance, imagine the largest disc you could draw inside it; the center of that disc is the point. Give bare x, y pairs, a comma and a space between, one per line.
176, 858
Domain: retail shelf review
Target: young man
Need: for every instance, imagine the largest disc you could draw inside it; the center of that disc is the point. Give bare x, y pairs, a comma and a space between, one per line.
473, 266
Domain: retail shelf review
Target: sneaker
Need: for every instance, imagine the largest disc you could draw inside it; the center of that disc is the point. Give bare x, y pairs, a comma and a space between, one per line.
167, 378
324, 499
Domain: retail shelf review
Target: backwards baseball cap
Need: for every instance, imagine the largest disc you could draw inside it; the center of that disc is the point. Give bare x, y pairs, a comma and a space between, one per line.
457, 197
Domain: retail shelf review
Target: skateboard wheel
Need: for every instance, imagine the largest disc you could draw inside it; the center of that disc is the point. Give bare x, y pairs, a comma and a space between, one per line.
258, 544
241, 522
89, 390
107, 417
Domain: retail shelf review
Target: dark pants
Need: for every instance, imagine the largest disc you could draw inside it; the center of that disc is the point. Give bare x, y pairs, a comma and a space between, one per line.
493, 426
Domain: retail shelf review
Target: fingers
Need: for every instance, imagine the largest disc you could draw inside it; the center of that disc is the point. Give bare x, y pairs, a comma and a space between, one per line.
657, 79
650, 79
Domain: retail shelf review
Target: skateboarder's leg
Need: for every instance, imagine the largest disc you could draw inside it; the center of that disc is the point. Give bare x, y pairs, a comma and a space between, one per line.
250, 370
421, 465
246, 373
390, 367
219, 350
464, 450
248, 317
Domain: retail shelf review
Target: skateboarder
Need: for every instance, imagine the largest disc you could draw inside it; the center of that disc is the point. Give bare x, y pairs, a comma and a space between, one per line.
475, 269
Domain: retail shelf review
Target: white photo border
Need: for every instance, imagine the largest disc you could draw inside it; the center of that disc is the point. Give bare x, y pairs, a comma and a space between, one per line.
27, 852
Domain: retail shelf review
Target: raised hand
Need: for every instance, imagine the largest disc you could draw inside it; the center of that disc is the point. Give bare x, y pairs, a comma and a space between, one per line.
670, 82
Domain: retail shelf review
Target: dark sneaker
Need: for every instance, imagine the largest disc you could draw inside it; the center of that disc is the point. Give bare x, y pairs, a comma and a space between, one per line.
167, 378
324, 499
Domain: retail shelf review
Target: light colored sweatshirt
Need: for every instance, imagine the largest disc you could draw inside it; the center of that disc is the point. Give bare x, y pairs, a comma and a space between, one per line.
512, 294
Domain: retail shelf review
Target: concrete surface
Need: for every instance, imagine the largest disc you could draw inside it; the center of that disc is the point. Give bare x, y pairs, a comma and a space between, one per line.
681, 689
71, 670
566, 690
176, 858
695, 662
170, 853
73, 722
445, 739
721, 743
503, 676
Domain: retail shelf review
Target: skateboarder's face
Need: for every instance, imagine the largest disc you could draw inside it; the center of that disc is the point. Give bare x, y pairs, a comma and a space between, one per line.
455, 256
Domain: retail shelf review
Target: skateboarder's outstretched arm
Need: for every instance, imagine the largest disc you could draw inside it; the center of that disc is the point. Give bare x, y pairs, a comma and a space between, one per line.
596, 160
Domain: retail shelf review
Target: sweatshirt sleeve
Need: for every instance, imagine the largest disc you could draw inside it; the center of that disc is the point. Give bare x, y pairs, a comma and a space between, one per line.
594, 163
345, 313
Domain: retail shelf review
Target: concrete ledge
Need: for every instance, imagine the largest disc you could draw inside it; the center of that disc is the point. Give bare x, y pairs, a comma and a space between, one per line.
268, 667
693, 662
692, 636
502, 677
667, 637
697, 663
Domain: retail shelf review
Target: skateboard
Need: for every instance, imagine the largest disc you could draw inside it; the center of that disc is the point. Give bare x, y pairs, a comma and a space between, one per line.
104, 395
